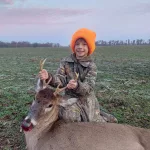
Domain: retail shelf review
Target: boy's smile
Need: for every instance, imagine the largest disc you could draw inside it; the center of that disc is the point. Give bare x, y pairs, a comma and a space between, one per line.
81, 48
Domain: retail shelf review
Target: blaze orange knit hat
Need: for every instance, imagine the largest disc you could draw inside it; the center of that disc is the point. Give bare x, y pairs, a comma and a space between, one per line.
88, 35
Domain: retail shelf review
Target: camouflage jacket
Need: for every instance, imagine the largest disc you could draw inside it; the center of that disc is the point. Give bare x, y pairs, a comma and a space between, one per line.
86, 82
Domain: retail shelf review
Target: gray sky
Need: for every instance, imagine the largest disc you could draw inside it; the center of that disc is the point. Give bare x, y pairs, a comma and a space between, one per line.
56, 21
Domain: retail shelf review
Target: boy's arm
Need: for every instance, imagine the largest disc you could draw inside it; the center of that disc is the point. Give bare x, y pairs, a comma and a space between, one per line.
85, 87
59, 77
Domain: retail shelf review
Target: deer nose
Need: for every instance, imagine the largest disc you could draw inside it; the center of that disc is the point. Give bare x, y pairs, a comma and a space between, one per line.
28, 120
26, 124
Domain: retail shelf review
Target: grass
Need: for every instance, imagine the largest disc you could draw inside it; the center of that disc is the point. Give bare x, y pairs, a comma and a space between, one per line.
122, 87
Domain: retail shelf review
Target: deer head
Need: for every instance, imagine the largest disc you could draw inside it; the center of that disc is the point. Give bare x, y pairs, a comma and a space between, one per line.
45, 104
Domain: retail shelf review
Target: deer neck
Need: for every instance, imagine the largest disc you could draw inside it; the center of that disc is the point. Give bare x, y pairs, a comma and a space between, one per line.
44, 124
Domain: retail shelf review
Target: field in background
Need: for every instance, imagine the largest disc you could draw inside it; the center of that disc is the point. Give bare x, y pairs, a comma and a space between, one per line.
122, 87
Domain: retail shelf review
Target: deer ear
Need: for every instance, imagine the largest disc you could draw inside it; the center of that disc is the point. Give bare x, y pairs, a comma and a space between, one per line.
67, 102
39, 86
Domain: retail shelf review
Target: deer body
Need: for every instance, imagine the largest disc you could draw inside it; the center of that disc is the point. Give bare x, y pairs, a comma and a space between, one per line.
88, 136
50, 133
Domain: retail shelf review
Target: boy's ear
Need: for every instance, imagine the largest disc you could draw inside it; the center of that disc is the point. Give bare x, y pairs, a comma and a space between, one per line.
67, 102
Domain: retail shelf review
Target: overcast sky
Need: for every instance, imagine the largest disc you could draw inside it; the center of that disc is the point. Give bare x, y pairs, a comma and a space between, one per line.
56, 20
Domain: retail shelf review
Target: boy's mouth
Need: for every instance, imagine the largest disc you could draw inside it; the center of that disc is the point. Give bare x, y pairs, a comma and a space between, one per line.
80, 51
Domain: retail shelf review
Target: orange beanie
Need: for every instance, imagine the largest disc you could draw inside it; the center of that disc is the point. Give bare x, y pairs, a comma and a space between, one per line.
88, 35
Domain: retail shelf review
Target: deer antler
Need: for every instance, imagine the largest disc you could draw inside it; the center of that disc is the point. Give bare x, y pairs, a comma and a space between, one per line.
58, 90
42, 62
76, 76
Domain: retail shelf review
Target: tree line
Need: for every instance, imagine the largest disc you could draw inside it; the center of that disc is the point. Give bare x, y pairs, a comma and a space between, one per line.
121, 42
15, 44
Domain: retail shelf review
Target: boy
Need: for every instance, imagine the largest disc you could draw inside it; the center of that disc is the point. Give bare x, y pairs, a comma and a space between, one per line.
80, 62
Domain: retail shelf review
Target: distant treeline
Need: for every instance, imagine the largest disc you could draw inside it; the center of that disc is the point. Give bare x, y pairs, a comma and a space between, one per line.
121, 42
15, 44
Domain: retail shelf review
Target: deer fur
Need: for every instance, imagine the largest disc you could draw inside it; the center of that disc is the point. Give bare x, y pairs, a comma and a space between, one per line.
50, 133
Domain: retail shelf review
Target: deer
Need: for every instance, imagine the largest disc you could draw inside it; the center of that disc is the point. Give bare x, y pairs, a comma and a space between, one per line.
44, 130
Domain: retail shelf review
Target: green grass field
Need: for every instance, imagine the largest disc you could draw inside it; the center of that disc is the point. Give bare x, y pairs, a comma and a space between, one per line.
122, 87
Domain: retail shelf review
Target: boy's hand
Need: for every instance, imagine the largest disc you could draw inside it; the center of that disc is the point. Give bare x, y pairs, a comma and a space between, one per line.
43, 75
72, 84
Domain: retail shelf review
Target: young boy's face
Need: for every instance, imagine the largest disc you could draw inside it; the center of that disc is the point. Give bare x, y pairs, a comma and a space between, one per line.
81, 48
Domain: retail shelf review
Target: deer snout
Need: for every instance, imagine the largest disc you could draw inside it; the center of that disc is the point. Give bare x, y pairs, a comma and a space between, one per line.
28, 123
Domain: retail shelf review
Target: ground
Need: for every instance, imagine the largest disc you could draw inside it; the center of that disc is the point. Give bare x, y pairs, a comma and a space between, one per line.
122, 87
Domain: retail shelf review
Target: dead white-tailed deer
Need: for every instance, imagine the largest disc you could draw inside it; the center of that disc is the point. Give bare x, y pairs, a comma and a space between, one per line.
47, 132
44, 131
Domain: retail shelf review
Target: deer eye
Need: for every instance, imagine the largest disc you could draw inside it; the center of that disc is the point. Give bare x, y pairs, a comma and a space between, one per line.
49, 106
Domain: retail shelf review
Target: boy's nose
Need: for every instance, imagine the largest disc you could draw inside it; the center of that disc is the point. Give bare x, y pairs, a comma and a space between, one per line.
80, 46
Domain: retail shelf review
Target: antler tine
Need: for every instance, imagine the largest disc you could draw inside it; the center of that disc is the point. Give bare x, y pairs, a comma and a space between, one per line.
58, 90
42, 62
49, 81
76, 76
